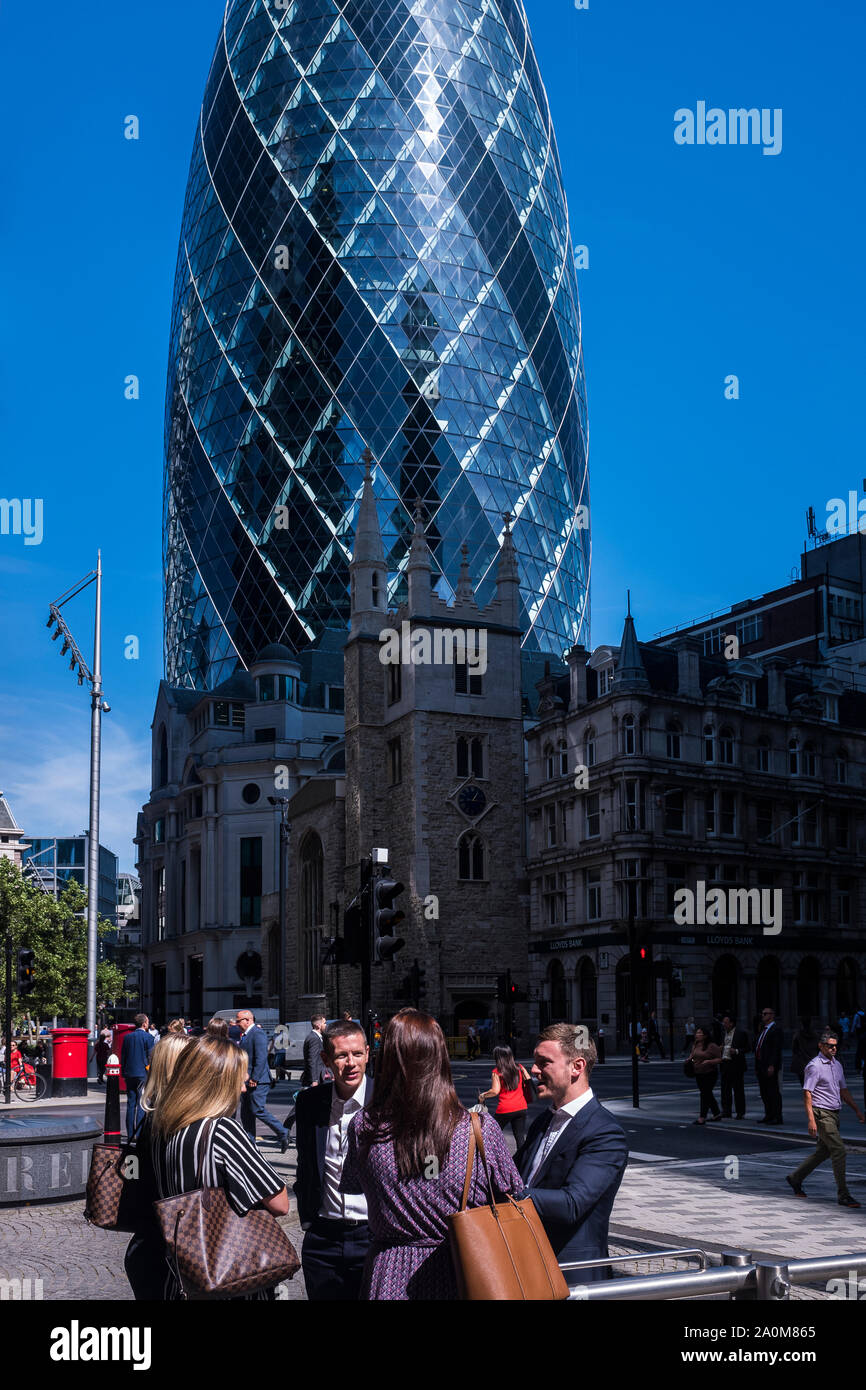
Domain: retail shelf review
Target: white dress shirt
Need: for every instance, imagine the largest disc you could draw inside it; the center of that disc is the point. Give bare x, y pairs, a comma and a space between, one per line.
337, 1205
558, 1121
729, 1043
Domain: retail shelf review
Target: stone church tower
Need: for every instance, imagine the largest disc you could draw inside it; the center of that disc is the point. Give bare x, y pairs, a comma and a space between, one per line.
435, 774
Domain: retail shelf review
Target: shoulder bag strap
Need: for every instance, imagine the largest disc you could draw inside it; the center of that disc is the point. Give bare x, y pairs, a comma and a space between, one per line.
478, 1136
207, 1133
470, 1163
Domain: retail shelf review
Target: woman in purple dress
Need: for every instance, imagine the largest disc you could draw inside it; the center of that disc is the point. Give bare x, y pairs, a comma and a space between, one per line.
407, 1153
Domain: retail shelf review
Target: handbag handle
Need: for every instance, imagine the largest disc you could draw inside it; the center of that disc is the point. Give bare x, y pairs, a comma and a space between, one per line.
476, 1141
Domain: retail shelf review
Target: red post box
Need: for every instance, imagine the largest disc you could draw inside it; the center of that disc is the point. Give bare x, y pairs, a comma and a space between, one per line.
118, 1033
69, 1061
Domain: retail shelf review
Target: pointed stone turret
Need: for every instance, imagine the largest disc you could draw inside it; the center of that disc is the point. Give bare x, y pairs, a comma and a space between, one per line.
419, 568
630, 671
508, 576
368, 574
464, 593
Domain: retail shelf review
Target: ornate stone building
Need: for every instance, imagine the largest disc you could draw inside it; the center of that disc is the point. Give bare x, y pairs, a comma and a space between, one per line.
653, 769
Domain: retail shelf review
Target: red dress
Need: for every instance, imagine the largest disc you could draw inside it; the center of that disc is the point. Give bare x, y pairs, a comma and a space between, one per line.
510, 1102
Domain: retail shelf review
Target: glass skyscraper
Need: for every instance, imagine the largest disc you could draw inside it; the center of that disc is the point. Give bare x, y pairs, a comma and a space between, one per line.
375, 253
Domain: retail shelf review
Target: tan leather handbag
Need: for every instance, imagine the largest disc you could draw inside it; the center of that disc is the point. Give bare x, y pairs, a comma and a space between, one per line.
500, 1250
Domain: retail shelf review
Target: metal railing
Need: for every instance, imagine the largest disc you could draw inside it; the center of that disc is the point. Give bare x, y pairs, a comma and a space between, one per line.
739, 1276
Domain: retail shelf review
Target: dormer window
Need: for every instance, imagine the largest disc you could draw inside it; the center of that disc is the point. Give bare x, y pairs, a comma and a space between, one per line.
276, 688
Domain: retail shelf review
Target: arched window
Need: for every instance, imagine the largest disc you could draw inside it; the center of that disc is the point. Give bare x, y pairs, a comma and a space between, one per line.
672, 735
762, 757
810, 761
549, 761
563, 758
311, 863
629, 736
726, 745
842, 766
470, 857
586, 984
589, 748
162, 758
794, 757
558, 997
709, 744
462, 757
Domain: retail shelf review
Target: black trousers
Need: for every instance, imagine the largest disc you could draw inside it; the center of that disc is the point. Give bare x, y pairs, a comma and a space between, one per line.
770, 1095
332, 1259
517, 1120
706, 1081
733, 1088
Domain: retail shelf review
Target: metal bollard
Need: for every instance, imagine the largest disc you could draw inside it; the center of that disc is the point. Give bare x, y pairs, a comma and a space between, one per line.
738, 1259
774, 1285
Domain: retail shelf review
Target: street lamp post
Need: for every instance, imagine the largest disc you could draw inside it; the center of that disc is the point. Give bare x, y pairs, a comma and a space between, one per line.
98, 707
285, 832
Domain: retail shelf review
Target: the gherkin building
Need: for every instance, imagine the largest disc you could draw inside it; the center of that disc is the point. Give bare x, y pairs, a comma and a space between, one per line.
375, 253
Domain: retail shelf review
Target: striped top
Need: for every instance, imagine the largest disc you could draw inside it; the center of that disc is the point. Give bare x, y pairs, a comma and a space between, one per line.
232, 1162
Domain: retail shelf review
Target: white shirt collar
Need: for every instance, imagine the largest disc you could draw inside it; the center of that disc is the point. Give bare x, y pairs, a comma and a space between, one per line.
248, 1030
573, 1106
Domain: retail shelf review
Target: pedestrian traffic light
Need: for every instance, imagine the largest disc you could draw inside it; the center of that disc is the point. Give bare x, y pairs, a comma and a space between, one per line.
26, 982
642, 952
386, 917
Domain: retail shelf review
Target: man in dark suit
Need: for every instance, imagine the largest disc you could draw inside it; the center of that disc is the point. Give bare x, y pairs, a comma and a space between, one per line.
314, 1070
254, 1099
134, 1062
337, 1236
768, 1066
574, 1156
734, 1044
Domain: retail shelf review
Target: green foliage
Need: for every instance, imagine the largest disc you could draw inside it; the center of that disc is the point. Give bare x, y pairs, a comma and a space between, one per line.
56, 932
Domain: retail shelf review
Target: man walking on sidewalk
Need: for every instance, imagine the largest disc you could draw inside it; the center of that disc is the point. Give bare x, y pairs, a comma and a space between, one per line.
824, 1090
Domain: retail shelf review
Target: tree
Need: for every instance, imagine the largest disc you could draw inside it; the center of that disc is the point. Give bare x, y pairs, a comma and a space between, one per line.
56, 933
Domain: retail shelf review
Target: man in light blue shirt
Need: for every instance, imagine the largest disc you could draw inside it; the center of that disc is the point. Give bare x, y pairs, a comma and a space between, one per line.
824, 1090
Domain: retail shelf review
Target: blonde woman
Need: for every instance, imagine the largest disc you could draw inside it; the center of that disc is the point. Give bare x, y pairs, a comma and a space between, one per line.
195, 1110
162, 1063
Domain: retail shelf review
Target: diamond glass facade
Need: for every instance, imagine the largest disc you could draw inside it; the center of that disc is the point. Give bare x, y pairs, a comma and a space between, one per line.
375, 252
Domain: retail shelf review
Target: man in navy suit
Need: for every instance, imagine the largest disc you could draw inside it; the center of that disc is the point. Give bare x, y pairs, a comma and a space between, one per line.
254, 1099
574, 1156
337, 1235
134, 1062
768, 1066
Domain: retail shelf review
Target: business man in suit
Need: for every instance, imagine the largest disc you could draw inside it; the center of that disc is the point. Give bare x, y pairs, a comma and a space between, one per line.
734, 1043
314, 1068
254, 1099
768, 1066
575, 1155
134, 1062
337, 1235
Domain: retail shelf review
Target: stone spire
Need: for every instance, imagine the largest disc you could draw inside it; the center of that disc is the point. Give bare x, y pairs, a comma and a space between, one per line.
419, 568
508, 576
368, 575
630, 671
464, 592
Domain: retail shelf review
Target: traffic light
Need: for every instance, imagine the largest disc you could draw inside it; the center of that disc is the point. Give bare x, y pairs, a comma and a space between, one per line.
26, 982
375, 1032
502, 989
642, 952
386, 917
419, 984
678, 988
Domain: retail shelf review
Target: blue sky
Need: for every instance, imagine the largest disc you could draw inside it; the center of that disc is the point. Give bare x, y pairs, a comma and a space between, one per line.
703, 261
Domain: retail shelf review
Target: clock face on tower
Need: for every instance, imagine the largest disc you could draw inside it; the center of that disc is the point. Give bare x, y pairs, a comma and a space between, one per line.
471, 801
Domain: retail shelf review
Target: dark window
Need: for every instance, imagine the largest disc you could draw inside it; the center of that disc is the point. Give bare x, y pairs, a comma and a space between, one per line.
709, 744
674, 805
251, 881
395, 762
672, 736
728, 813
395, 684
726, 746
251, 793
476, 749
265, 736
470, 857
842, 837
763, 755
162, 769
337, 696
466, 683
462, 757
159, 831
592, 817
763, 819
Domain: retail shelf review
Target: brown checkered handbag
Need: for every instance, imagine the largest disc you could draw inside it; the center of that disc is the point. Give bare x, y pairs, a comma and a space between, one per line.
213, 1252
117, 1199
